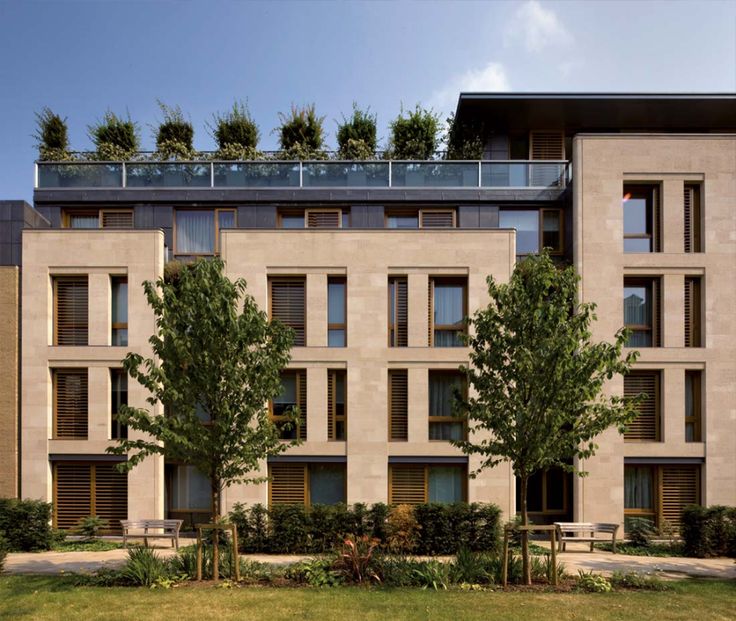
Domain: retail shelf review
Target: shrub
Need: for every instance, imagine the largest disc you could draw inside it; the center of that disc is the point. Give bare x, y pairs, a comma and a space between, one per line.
174, 135
90, 526
356, 559
640, 532
707, 531
635, 580
466, 140
377, 521
235, 132
185, 562
414, 135
301, 133
327, 524
3, 551
593, 583
356, 136
432, 575
402, 529
144, 567
115, 138
51, 135
26, 524
288, 529
315, 572
470, 567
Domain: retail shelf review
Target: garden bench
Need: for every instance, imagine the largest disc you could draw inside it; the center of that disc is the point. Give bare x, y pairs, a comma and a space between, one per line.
152, 529
585, 532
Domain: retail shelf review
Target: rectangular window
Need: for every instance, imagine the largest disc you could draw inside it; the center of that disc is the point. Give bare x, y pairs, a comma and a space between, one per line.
646, 425
535, 229
119, 397
119, 286
398, 311
291, 219
293, 395
658, 493
71, 313
287, 299
447, 311
693, 239
190, 490
642, 311
323, 218
693, 325
641, 218
443, 422
81, 489
398, 406
306, 484
337, 409
197, 231
693, 406
551, 228
70, 403
336, 311
402, 220
413, 484
98, 218
547, 493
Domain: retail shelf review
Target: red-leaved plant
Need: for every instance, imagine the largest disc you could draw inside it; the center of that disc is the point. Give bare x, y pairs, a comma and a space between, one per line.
356, 560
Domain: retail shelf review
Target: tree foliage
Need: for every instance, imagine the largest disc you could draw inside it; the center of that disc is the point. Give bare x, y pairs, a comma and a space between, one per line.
356, 136
217, 362
175, 134
235, 131
537, 378
114, 137
465, 140
301, 133
51, 135
414, 135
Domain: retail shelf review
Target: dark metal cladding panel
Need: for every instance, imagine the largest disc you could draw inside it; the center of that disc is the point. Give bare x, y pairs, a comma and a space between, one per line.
488, 216
143, 217
467, 217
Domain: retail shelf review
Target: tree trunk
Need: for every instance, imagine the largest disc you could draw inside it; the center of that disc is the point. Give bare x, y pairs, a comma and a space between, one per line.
215, 533
526, 566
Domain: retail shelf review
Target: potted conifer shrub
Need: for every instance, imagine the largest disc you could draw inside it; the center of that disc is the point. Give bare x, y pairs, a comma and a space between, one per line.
356, 139
116, 139
53, 145
301, 137
174, 141
236, 135
414, 136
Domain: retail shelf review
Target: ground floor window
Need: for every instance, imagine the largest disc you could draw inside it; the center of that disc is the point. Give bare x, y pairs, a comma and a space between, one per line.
306, 483
81, 489
548, 497
419, 483
658, 493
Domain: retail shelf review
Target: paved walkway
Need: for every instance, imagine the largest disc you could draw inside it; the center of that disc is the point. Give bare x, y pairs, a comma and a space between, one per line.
599, 562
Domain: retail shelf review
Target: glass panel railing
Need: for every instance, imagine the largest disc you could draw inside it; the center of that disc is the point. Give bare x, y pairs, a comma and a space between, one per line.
523, 174
167, 175
434, 174
256, 174
345, 175
80, 175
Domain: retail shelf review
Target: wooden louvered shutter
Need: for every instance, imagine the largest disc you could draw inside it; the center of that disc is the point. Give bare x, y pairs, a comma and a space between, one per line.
430, 313
679, 487
71, 310
399, 323
437, 218
301, 395
692, 312
72, 494
288, 305
408, 484
117, 219
70, 403
645, 427
324, 218
691, 203
331, 380
546, 145
398, 406
287, 484
110, 495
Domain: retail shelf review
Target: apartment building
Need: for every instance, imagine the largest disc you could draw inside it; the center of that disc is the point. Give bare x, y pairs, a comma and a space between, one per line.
374, 265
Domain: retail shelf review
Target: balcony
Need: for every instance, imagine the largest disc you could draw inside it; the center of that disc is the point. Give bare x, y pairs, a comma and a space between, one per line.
279, 174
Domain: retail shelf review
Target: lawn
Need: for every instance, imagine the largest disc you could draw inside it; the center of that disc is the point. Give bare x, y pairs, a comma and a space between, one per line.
51, 597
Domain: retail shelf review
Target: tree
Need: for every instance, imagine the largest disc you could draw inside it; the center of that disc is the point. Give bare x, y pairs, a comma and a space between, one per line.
538, 378
214, 370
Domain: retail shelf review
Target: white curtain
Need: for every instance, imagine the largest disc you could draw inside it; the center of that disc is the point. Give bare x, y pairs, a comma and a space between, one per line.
445, 484
195, 232
638, 488
191, 489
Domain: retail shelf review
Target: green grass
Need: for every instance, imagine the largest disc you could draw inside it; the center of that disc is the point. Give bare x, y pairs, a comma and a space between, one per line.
653, 549
52, 597
99, 545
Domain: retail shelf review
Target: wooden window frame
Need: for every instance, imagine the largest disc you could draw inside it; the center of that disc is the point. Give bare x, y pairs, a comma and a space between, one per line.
693, 300
400, 212
426, 468
655, 286
333, 418
652, 513
55, 373
405, 375
302, 279
118, 325
216, 215
696, 420
692, 205
307, 494
447, 419
66, 216
658, 410
560, 250
654, 192
436, 210
301, 402
394, 325
55, 280
117, 430
337, 326
446, 280
565, 496
323, 210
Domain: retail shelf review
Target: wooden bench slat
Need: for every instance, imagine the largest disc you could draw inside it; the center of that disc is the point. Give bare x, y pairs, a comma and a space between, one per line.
585, 532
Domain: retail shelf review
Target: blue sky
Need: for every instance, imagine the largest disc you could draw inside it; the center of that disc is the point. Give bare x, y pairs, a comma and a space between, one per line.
81, 58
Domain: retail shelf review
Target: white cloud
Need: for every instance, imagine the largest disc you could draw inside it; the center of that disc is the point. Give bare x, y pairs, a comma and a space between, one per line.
536, 27
490, 78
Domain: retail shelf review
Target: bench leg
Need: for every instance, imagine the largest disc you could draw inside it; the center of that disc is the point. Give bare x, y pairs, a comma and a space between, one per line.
125, 542
613, 545
591, 546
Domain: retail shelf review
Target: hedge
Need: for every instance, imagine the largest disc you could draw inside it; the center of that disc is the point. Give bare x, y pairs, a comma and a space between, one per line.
709, 531
26, 524
296, 529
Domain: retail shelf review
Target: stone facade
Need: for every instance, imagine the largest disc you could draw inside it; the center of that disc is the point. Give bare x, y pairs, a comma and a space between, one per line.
9, 342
